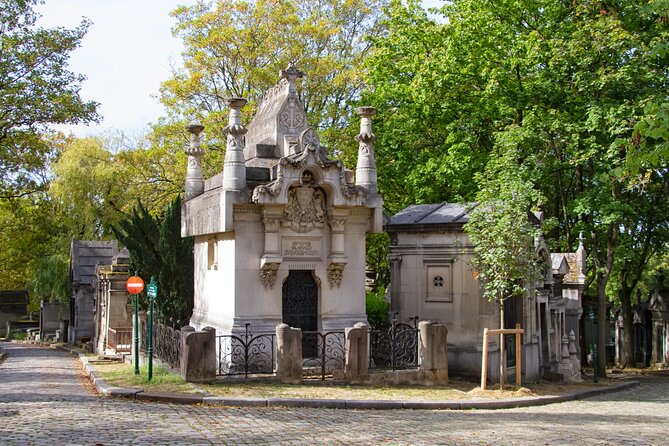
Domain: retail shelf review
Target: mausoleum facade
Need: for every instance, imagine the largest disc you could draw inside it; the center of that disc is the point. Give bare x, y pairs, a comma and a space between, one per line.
432, 279
280, 233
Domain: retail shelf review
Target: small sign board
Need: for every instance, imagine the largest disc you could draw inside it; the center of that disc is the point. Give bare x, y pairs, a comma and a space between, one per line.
152, 290
134, 285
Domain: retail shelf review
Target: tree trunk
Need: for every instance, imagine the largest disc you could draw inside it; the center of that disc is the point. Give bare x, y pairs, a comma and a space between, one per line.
602, 302
628, 327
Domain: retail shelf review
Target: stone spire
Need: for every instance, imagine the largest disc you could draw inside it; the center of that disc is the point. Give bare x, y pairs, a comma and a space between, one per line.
194, 177
291, 74
234, 169
580, 257
365, 171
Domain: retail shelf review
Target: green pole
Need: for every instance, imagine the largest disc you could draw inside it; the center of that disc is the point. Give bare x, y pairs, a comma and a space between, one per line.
150, 343
136, 337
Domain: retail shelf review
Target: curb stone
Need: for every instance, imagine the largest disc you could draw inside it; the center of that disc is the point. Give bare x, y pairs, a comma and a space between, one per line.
185, 398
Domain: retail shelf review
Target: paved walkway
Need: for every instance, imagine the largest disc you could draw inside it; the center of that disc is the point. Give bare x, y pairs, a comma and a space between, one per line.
45, 400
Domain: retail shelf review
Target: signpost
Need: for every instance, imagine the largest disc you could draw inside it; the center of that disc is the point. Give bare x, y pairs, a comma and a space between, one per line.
152, 293
135, 285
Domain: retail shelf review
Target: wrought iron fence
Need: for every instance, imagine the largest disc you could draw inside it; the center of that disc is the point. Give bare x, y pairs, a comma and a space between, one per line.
120, 339
329, 358
394, 348
246, 354
166, 342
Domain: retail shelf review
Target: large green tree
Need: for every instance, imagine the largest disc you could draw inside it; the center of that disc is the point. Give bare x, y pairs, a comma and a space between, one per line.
36, 90
565, 82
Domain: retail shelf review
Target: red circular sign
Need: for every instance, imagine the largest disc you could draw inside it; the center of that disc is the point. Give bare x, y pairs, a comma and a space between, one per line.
134, 285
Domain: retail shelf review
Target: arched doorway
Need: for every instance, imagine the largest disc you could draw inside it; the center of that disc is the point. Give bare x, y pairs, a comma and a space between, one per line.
300, 307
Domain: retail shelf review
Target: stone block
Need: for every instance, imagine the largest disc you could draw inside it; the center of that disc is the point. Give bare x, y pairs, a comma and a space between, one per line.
289, 354
433, 351
356, 367
198, 354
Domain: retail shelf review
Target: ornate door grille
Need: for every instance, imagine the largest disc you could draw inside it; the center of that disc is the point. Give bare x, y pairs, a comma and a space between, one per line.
300, 307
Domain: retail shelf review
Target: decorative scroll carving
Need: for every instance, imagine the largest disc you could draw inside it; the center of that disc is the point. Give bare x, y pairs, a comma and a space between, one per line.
335, 272
306, 206
268, 274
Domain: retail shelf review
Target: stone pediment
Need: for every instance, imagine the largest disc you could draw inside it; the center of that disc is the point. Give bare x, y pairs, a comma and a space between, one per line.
330, 175
279, 121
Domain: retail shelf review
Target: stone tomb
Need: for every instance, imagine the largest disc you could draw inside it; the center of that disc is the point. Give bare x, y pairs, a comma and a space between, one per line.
280, 233
431, 278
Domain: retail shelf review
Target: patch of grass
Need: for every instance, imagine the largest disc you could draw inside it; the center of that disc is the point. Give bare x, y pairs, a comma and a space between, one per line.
163, 380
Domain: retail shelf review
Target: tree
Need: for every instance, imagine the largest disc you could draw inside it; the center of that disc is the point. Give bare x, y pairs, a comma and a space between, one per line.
565, 82
237, 48
36, 90
157, 250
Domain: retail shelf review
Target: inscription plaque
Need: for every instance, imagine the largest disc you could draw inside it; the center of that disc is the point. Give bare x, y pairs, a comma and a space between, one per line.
298, 247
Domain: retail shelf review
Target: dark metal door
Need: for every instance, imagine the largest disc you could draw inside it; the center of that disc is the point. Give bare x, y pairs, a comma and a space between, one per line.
300, 307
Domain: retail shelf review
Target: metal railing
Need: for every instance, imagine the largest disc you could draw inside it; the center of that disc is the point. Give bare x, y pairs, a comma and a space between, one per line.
120, 339
166, 342
328, 360
394, 348
246, 354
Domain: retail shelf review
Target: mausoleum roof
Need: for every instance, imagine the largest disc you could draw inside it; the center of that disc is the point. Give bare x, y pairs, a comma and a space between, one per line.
430, 216
86, 254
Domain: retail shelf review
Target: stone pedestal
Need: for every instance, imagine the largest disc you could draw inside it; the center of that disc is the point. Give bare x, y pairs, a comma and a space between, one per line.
198, 354
433, 351
356, 367
289, 354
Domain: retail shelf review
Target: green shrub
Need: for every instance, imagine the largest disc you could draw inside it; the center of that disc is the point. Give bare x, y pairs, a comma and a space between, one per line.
18, 335
377, 309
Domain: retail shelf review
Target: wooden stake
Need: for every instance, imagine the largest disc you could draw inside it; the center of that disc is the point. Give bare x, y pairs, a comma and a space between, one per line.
484, 359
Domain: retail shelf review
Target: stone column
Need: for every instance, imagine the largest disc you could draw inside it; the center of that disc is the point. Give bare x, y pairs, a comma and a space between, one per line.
433, 351
271, 259
289, 354
337, 260
194, 177
234, 168
356, 367
365, 171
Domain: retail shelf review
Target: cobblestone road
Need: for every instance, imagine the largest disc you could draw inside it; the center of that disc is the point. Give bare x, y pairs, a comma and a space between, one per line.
45, 400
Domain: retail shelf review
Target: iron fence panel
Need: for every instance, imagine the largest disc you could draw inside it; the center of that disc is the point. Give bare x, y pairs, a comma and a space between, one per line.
246, 354
395, 348
330, 357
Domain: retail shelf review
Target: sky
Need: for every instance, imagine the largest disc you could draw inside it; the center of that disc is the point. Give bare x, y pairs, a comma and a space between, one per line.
128, 51
126, 54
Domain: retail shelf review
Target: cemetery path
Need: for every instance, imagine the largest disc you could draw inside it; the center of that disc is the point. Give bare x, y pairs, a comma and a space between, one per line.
45, 400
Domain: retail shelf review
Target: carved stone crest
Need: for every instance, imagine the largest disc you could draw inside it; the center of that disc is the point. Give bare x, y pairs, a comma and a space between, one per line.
335, 272
268, 274
306, 206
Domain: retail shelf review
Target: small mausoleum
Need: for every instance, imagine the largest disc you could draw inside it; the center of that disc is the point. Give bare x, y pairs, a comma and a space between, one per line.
113, 309
84, 256
431, 278
280, 233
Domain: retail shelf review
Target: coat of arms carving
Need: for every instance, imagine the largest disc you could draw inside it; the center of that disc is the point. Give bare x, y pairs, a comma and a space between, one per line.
306, 206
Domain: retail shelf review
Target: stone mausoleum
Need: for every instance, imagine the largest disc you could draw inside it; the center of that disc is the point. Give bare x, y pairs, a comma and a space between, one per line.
431, 278
280, 233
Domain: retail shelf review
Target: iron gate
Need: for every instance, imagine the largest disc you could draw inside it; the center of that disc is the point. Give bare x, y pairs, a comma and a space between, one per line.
394, 348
